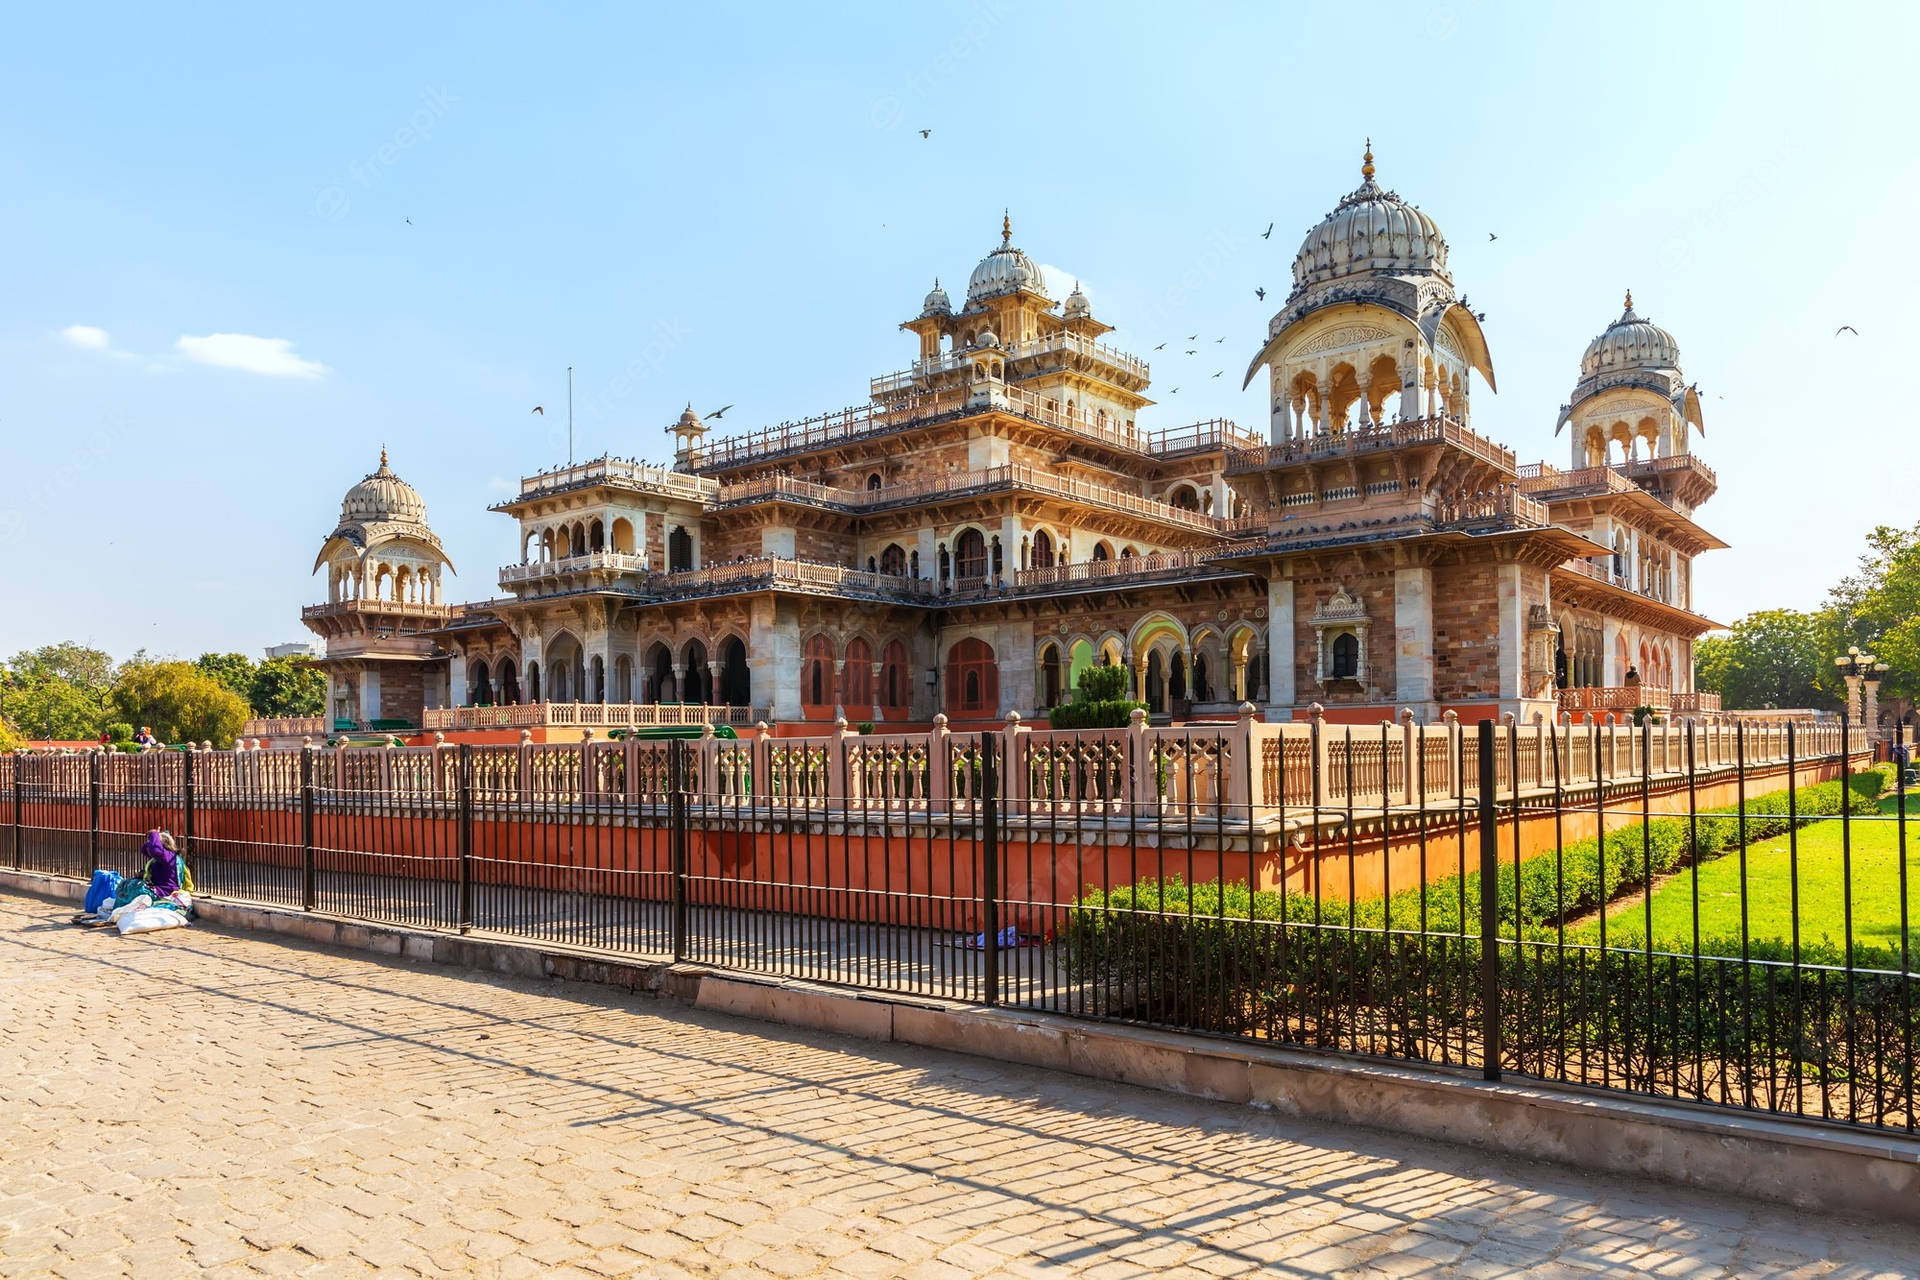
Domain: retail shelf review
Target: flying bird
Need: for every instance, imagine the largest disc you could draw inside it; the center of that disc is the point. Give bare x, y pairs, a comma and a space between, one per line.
1217, 341
926, 133
1268, 233
1846, 328
1218, 372
1192, 336
542, 412
1261, 294
1492, 236
1174, 392
1192, 352
1161, 347
715, 415
409, 221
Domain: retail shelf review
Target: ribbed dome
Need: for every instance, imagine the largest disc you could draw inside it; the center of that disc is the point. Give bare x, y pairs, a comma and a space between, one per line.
937, 303
1077, 305
383, 496
1005, 270
1630, 343
1371, 230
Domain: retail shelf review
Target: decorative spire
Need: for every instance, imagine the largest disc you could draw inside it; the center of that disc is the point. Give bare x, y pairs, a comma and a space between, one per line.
383, 457
1629, 299
1366, 163
1006, 228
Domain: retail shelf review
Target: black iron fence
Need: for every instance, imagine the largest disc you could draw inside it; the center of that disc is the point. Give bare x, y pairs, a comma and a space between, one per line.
1669, 910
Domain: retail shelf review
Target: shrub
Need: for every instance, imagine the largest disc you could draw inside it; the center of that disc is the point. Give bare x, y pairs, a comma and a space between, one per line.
1098, 702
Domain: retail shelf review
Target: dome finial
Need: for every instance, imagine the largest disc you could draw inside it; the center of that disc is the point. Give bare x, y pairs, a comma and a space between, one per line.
1629, 299
1006, 227
1366, 163
383, 457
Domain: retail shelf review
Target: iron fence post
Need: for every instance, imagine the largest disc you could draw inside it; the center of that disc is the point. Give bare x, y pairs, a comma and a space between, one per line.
19, 825
1489, 909
188, 819
464, 809
306, 828
990, 869
94, 768
677, 842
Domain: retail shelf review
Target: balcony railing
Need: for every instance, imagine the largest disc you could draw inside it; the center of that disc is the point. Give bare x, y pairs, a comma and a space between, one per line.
285, 727
592, 562
611, 715
405, 609
1214, 433
1625, 699
930, 488
767, 572
1163, 564
1073, 343
1394, 435
622, 473
1604, 573
1538, 477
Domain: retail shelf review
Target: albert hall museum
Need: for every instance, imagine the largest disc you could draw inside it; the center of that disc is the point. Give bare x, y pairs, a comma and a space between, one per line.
997, 517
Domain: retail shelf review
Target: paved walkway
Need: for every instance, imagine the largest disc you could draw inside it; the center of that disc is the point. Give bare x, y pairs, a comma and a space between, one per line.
197, 1100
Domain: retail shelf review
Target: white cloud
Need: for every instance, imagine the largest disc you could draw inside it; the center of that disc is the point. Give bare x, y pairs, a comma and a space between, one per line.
1060, 282
273, 357
87, 337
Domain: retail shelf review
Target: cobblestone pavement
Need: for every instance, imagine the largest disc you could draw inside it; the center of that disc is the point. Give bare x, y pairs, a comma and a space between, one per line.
196, 1100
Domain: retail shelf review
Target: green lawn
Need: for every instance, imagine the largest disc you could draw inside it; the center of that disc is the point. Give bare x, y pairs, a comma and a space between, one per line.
1769, 893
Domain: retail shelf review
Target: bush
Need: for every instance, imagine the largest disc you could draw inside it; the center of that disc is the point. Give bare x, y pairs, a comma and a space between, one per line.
1098, 702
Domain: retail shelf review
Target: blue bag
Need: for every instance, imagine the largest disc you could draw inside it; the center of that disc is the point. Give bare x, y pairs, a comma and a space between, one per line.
105, 885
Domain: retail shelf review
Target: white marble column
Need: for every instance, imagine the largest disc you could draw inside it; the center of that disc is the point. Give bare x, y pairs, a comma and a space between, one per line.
1413, 637
1280, 691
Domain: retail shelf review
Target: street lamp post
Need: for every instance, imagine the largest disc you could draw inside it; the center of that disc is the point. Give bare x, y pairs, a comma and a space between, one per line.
1863, 673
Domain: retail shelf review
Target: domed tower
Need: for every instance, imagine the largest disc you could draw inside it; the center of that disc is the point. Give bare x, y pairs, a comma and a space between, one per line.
384, 594
689, 434
1372, 331
1633, 408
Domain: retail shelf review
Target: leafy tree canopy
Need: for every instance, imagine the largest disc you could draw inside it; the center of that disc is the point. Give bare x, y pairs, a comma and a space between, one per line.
180, 702
234, 670
1773, 658
288, 687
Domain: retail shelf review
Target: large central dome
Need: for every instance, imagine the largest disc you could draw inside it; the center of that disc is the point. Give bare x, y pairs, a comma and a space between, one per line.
1005, 270
1371, 230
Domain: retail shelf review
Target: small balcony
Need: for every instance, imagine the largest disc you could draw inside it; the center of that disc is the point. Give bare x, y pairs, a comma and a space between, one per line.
571, 571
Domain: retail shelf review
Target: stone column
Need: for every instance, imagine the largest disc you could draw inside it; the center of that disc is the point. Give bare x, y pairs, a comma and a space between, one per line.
1280, 621
1413, 638
370, 694
678, 671
773, 662
878, 692
1870, 707
1280, 425
1513, 636
1853, 698
457, 680
713, 684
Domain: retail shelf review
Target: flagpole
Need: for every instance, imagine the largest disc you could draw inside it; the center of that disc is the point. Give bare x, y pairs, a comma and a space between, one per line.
569, 415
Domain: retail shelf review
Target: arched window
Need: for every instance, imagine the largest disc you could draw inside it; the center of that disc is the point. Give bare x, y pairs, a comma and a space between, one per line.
679, 550
857, 676
1184, 497
816, 672
736, 682
1177, 681
1346, 657
1202, 687
893, 560
873, 482
623, 536
479, 687
696, 677
1050, 676
662, 688
973, 680
1128, 553
970, 555
1156, 684
896, 689
533, 682
509, 681
623, 679
597, 536
1042, 557
1101, 551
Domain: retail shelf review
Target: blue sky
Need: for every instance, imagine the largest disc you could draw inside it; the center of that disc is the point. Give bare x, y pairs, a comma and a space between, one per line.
213, 311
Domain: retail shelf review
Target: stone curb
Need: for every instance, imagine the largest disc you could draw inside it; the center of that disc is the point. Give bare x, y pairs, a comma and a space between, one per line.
1812, 1166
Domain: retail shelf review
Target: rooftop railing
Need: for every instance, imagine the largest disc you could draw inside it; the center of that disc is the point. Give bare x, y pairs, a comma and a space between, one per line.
621, 473
592, 562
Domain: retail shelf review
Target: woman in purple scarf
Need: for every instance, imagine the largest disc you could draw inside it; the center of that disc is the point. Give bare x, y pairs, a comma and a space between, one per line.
162, 871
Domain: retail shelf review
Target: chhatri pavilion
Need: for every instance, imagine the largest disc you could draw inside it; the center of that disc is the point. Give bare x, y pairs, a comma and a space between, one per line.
998, 516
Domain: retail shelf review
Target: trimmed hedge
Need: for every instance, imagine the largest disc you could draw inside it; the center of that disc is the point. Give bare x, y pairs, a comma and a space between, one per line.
1584, 875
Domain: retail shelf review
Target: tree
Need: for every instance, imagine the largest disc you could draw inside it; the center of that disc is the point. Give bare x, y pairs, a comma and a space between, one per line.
57, 691
180, 702
1878, 608
288, 687
1773, 658
234, 670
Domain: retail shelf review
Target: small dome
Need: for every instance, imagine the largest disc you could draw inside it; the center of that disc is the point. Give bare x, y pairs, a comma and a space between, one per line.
383, 496
986, 338
689, 419
1077, 307
1005, 270
1371, 230
937, 303
1630, 343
